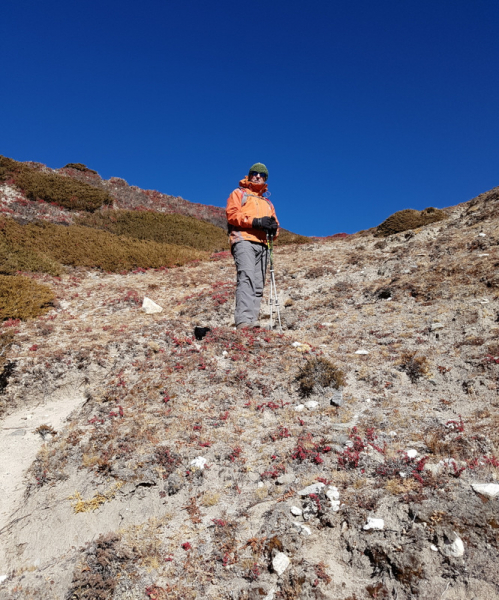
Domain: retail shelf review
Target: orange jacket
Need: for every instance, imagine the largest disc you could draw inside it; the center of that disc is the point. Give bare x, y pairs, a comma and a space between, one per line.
245, 204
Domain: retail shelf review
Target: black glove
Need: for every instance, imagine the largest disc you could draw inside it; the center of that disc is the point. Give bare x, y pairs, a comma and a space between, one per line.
266, 223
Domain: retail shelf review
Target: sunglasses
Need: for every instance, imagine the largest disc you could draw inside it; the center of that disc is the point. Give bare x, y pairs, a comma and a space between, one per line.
256, 173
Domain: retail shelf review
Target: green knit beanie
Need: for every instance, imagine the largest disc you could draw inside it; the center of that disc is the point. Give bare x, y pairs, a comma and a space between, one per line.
259, 168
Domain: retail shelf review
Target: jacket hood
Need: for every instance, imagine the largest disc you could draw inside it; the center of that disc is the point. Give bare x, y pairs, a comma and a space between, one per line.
258, 188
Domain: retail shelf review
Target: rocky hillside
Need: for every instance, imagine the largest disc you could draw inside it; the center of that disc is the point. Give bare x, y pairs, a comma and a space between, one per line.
355, 455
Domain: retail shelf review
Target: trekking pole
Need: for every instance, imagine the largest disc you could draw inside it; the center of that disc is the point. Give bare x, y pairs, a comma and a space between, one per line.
273, 298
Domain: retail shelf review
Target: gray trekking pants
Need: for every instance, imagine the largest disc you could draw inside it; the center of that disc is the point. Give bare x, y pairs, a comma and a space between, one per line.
251, 265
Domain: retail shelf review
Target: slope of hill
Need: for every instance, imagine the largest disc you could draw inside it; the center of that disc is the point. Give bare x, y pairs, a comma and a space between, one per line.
184, 468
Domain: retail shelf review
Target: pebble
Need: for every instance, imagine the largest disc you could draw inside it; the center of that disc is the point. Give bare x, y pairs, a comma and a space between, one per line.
302, 528
225, 353
300, 407
436, 326
285, 479
311, 404
3, 578
482, 255
373, 523
337, 398
434, 548
455, 549
490, 490
315, 488
280, 563
198, 463
333, 493
411, 453
361, 352
297, 512
150, 307
482, 234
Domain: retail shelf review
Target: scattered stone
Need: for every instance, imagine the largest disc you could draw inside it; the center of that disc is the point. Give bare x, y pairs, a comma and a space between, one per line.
150, 307
482, 234
337, 398
482, 255
303, 529
225, 353
454, 549
311, 404
198, 463
373, 523
286, 479
327, 324
361, 352
491, 490
333, 493
280, 563
411, 453
252, 476
297, 512
435, 326
3, 578
300, 407
315, 488
434, 548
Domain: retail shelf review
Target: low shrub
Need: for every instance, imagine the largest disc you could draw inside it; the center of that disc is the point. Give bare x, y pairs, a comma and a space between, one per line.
15, 257
317, 374
160, 227
287, 237
414, 366
82, 246
80, 167
52, 187
22, 298
409, 219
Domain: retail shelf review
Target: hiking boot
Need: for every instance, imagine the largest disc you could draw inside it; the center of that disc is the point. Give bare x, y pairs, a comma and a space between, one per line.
256, 325
244, 326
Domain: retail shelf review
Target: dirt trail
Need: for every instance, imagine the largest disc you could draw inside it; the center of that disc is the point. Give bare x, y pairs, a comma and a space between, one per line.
19, 445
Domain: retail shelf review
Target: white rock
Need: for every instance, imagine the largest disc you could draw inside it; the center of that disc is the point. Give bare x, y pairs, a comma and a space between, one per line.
333, 493
327, 324
436, 326
486, 489
296, 511
373, 523
260, 484
367, 400
411, 453
315, 488
270, 595
482, 234
302, 528
361, 352
300, 407
482, 255
335, 505
64, 304
225, 353
456, 549
392, 434
312, 404
150, 307
280, 563
3, 578
434, 548
296, 344
198, 463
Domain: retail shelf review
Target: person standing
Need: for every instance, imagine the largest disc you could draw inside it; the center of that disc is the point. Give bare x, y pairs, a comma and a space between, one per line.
250, 217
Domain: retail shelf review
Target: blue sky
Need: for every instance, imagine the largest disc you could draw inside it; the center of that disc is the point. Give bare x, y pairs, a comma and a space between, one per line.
358, 108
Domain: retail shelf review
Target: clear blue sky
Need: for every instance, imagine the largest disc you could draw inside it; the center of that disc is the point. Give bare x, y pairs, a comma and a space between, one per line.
359, 108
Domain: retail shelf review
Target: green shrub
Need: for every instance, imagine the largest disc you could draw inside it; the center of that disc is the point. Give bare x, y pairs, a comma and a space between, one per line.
82, 246
409, 219
22, 298
159, 227
317, 374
